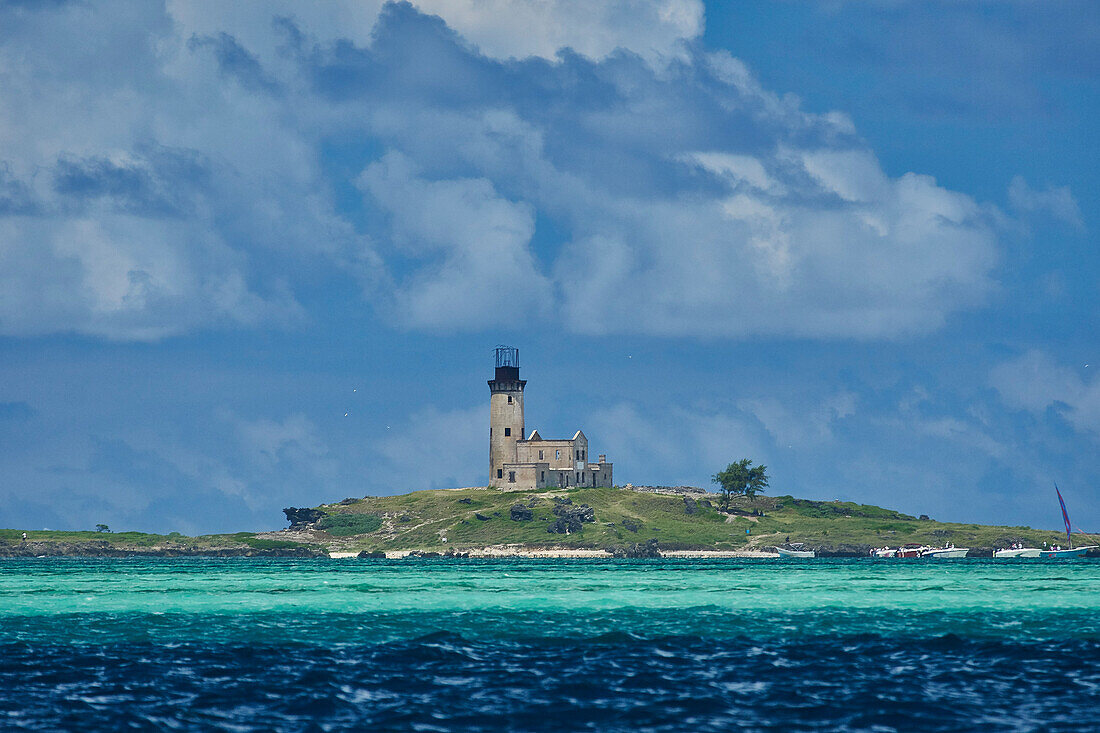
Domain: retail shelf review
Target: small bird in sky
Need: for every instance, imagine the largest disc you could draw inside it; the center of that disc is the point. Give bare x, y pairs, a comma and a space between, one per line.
345, 414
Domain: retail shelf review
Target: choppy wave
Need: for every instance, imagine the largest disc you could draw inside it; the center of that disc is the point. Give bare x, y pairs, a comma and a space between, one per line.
179, 644
444, 681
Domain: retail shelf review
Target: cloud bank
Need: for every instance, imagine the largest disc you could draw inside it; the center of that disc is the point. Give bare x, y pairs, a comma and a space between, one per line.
565, 165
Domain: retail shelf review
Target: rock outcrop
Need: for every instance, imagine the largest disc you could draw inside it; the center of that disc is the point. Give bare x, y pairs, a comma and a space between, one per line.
520, 513
690, 505
302, 518
570, 518
637, 551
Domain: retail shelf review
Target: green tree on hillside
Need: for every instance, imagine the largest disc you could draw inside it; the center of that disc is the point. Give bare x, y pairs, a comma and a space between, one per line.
741, 479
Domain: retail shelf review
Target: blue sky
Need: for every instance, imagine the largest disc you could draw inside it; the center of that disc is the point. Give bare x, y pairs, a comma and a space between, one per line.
256, 255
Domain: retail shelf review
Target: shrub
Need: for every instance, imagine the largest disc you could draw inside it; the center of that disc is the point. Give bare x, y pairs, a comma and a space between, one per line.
343, 525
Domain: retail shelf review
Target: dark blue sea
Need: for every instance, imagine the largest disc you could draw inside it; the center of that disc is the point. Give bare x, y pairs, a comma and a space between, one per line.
443, 645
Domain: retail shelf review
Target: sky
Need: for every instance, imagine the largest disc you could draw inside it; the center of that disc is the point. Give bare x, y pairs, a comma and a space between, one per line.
257, 254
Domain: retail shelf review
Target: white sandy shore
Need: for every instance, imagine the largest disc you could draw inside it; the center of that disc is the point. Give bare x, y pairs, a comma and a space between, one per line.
517, 551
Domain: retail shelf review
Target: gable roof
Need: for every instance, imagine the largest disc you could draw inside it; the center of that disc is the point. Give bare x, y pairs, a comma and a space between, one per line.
580, 434
534, 435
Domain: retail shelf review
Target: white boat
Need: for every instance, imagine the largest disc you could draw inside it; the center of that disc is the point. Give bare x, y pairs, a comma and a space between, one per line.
795, 553
1018, 552
945, 552
1071, 552
884, 552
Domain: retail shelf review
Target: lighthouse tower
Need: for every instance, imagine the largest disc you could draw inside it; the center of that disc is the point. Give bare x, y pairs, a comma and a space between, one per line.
505, 412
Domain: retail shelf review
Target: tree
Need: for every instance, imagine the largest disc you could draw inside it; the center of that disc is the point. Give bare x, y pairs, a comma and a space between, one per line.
102, 528
741, 478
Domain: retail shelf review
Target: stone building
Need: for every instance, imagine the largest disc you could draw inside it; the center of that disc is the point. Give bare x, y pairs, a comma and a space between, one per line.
530, 463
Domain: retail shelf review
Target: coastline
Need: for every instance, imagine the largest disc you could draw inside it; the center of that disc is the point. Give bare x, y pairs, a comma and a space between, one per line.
509, 551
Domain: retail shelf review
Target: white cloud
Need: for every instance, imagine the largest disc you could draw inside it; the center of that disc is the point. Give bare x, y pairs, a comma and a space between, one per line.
653, 29
685, 199
479, 270
270, 442
456, 438
1036, 383
806, 425
671, 445
1057, 203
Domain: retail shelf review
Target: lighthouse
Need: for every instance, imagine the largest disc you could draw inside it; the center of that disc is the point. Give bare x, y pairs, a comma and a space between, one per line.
505, 412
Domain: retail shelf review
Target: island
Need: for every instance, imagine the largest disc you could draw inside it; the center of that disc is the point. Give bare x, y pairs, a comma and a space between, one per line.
628, 522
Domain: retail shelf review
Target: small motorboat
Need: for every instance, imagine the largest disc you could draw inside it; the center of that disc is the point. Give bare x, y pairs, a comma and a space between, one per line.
884, 552
797, 552
1018, 552
1069, 552
945, 552
911, 550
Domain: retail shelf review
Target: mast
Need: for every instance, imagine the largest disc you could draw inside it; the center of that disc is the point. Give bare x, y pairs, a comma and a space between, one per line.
1065, 515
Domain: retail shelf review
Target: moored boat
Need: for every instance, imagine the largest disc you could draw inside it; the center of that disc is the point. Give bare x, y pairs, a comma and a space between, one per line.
1018, 552
911, 550
1070, 552
795, 553
945, 552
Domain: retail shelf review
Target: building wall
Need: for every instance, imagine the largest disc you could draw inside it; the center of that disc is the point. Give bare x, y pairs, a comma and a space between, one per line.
558, 453
528, 476
505, 429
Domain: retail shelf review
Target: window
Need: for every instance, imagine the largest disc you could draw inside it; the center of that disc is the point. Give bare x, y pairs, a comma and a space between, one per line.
557, 455
500, 473
509, 399
543, 476
577, 456
582, 478
540, 455
511, 477
578, 478
507, 432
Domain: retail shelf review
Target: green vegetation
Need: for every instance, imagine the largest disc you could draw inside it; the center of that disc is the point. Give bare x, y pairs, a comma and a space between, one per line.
142, 541
741, 479
442, 519
473, 518
256, 543
345, 524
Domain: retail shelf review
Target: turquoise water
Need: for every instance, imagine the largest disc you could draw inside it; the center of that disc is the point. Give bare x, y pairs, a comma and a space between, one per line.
251, 643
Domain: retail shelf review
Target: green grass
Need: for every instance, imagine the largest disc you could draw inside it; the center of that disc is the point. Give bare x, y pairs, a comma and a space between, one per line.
422, 519
346, 524
441, 519
130, 539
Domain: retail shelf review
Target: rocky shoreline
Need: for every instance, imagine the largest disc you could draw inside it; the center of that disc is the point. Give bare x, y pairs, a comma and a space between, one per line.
106, 549
649, 549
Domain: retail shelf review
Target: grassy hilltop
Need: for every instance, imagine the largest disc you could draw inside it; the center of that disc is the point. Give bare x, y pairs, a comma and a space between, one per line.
472, 518
464, 519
